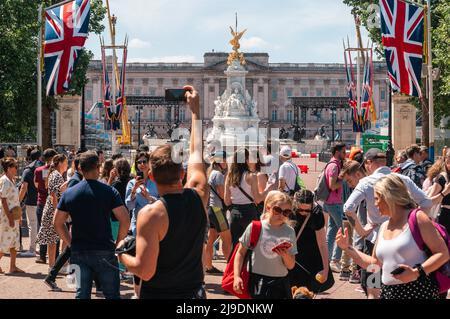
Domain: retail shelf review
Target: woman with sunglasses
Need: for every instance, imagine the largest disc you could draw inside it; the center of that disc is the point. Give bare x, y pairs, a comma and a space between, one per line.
312, 265
9, 228
140, 190
274, 253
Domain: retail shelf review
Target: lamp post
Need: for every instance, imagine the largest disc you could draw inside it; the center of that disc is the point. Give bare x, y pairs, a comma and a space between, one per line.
333, 118
139, 125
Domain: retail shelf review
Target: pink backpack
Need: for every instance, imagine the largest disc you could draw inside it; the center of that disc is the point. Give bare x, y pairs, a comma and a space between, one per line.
443, 273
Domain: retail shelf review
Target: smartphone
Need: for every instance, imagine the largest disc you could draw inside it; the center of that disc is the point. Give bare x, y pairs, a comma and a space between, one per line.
398, 271
140, 175
283, 245
176, 95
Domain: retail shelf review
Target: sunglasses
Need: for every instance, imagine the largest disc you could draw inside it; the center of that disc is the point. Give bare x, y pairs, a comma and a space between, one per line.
277, 210
142, 162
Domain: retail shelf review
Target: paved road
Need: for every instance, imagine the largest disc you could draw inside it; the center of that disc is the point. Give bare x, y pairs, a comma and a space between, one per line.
30, 285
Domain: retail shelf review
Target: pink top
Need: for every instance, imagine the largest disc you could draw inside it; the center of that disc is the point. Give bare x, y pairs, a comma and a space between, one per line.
333, 170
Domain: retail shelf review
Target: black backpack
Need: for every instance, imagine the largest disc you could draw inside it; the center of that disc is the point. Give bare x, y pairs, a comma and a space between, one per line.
415, 173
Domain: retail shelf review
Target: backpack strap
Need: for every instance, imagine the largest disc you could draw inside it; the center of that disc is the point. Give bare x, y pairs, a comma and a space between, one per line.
217, 194
414, 227
255, 233
246, 194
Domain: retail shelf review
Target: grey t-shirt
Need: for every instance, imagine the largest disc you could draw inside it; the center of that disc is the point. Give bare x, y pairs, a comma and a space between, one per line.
264, 261
215, 179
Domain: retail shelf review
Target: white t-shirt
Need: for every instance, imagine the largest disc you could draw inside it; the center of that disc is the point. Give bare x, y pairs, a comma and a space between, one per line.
288, 171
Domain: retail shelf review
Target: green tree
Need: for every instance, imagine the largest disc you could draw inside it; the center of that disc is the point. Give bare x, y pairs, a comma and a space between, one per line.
440, 25
19, 29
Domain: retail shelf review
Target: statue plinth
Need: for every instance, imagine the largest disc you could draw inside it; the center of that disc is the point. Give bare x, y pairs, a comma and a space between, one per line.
236, 120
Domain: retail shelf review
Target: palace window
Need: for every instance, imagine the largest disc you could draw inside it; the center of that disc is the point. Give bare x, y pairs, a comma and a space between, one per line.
383, 95
334, 92
289, 92
274, 95
274, 115
182, 115
304, 92
319, 92
289, 117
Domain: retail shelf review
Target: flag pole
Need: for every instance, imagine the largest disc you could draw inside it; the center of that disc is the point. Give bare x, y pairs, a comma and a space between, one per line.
39, 80
430, 84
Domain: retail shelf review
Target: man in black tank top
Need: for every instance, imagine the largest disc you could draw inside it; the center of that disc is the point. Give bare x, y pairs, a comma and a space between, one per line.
171, 231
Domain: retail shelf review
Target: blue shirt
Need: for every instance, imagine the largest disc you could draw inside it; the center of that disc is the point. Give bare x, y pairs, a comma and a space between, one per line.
365, 191
90, 204
75, 179
139, 201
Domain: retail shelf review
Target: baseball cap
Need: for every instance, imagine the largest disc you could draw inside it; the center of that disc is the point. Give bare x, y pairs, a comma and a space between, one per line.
423, 148
218, 155
354, 151
286, 152
373, 154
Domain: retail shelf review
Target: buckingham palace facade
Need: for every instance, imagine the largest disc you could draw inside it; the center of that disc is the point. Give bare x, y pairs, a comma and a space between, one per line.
270, 85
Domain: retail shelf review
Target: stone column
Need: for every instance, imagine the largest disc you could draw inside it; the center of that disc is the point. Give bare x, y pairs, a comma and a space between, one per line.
206, 102
265, 106
216, 94
404, 123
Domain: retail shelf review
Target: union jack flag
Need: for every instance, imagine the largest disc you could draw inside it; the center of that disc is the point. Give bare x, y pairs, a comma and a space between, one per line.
351, 92
367, 88
66, 30
402, 30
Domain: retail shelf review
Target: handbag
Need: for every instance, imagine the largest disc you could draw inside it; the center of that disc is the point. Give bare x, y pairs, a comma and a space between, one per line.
128, 247
16, 213
228, 275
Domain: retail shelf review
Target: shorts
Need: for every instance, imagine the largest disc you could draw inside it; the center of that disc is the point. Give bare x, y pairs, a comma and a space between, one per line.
217, 219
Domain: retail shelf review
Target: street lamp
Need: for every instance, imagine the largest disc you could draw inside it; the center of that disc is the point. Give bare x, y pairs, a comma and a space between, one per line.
139, 124
333, 119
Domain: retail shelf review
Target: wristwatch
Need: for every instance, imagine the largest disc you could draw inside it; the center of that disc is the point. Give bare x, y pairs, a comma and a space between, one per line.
422, 273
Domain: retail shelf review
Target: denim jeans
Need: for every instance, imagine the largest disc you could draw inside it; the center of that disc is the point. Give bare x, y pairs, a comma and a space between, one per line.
334, 223
100, 264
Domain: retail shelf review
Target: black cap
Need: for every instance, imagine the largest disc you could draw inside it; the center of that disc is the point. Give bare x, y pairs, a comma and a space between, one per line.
373, 154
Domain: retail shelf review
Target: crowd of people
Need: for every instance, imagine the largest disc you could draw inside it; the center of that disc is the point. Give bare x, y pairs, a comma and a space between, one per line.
160, 220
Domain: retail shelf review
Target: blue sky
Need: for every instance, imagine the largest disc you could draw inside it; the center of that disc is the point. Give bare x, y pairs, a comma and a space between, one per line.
182, 31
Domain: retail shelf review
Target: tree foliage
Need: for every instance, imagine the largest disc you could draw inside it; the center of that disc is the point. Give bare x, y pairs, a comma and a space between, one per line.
440, 28
19, 29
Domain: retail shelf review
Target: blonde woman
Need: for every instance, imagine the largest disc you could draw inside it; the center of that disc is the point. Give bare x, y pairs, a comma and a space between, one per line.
273, 255
405, 268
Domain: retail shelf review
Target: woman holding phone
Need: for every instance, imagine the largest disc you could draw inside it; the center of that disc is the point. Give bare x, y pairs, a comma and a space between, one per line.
140, 190
273, 255
406, 269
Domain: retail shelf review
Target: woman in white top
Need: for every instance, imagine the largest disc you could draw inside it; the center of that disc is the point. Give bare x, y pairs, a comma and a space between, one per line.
9, 228
405, 267
242, 194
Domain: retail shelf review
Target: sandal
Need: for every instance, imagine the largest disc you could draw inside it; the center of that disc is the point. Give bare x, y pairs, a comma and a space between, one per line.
1, 271
17, 271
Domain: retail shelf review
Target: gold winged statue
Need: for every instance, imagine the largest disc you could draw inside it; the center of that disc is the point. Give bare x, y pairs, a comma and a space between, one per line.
236, 46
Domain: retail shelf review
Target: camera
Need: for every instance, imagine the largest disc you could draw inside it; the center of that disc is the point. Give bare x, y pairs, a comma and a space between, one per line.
175, 95
140, 175
129, 246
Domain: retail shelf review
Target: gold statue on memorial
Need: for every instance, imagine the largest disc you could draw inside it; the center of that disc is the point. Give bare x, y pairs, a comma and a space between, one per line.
236, 55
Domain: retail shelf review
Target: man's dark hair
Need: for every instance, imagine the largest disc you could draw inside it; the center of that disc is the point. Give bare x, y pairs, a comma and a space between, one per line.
49, 153
89, 162
116, 156
304, 196
99, 151
143, 148
413, 149
164, 170
337, 148
123, 168
35, 154
76, 161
